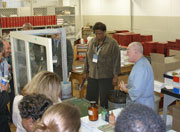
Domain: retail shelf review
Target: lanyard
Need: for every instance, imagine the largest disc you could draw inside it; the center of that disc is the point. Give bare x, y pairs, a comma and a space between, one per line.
56, 43
99, 47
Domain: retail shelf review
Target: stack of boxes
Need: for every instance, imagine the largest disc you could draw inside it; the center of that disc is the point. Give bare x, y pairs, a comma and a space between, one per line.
124, 38
162, 65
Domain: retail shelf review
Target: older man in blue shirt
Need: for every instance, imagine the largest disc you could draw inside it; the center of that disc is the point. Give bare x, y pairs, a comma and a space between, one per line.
140, 85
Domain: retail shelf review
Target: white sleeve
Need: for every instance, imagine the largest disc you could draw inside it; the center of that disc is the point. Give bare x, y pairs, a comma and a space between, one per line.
16, 114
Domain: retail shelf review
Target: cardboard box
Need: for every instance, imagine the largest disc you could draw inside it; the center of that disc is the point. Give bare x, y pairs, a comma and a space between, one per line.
176, 119
162, 64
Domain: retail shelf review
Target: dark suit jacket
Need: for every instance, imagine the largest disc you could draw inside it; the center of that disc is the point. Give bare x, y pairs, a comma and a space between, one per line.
69, 54
4, 99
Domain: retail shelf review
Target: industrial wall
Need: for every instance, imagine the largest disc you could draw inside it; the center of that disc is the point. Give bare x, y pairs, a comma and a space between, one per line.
161, 18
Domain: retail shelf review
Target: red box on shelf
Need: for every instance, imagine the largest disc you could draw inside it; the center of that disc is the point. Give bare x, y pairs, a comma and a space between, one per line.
48, 20
23, 20
55, 20
8, 22
31, 20
3, 22
36, 21
13, 21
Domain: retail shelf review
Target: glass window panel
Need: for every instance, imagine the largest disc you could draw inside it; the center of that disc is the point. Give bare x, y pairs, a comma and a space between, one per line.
38, 59
21, 66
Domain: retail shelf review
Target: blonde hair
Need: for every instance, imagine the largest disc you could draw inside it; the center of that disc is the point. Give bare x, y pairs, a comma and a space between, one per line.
60, 117
46, 83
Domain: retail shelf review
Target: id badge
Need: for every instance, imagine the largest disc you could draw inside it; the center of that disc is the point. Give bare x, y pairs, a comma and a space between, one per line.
95, 58
55, 59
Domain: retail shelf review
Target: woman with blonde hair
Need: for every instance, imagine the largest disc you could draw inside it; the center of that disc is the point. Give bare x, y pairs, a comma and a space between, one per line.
44, 82
60, 117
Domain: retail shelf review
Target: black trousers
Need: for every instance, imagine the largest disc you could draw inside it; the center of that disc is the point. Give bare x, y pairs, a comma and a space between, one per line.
96, 87
11, 96
4, 126
58, 70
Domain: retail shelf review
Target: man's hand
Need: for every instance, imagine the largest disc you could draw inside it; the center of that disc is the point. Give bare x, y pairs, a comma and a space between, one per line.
85, 76
115, 80
4, 87
123, 87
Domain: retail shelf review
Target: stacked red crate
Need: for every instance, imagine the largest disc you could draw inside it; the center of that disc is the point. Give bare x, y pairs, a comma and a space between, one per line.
3, 22
136, 37
149, 47
178, 43
162, 48
54, 20
115, 36
124, 38
144, 38
121, 31
31, 20
170, 45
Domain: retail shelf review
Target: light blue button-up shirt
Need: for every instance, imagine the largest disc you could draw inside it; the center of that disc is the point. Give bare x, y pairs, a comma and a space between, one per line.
3, 69
141, 84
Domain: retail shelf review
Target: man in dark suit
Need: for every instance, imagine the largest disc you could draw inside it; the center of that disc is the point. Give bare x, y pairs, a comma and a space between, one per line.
4, 97
56, 50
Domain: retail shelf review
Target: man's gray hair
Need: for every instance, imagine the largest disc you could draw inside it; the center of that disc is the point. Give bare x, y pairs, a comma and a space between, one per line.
138, 46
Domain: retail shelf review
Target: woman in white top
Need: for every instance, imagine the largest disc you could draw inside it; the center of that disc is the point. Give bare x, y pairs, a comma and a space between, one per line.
46, 83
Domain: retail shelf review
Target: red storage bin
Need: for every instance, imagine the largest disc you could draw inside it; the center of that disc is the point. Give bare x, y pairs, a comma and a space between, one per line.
171, 44
144, 38
178, 43
3, 22
136, 37
124, 39
149, 47
121, 31
162, 48
115, 36
31, 20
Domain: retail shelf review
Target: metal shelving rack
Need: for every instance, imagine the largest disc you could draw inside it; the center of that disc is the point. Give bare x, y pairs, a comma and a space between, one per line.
67, 13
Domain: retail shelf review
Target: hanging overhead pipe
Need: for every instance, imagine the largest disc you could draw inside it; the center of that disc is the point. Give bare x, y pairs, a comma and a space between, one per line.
131, 15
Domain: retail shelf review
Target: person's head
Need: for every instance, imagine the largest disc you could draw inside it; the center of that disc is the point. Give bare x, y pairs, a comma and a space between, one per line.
27, 26
139, 118
46, 83
7, 49
1, 50
134, 51
60, 118
100, 30
56, 36
32, 108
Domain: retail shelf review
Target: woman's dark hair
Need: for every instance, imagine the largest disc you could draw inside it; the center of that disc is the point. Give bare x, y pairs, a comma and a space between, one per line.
99, 26
33, 106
